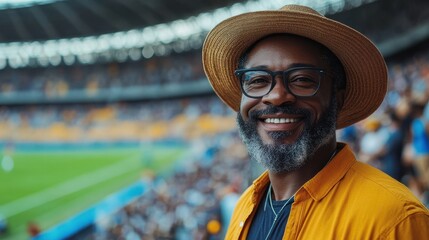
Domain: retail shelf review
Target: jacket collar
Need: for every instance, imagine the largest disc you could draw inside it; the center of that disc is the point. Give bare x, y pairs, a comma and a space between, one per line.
319, 186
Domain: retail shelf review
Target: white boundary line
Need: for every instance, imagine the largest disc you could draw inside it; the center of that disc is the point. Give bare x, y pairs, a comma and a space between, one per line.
63, 189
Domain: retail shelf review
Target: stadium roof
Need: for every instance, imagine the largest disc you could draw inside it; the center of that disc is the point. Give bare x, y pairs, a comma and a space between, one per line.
48, 32
52, 32
39, 20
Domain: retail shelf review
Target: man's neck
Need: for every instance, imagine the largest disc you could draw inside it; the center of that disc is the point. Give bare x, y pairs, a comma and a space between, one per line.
286, 184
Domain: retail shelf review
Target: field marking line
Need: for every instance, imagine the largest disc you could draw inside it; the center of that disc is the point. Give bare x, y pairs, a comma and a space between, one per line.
68, 187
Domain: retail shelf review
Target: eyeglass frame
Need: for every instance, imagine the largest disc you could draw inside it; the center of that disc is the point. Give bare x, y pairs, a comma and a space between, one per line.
239, 73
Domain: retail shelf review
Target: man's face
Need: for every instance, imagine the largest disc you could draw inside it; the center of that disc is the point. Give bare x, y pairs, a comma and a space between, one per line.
283, 131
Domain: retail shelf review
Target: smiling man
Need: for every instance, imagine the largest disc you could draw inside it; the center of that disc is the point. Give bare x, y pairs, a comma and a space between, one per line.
294, 77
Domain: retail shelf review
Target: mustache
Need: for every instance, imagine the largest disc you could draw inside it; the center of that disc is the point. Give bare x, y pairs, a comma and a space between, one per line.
283, 109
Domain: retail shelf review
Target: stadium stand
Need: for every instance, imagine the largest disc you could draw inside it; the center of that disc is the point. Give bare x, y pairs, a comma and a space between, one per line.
60, 81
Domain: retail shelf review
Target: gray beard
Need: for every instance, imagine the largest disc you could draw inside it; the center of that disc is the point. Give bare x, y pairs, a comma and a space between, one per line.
277, 157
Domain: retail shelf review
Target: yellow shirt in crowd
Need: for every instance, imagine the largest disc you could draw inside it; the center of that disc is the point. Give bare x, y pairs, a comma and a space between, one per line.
347, 199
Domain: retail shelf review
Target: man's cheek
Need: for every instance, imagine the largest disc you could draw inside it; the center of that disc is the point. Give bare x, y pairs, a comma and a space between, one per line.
246, 106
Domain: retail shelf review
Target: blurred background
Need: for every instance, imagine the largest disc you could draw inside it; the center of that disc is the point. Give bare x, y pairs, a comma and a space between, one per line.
110, 130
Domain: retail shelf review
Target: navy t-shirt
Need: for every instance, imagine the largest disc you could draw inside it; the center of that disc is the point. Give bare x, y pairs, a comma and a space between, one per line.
264, 219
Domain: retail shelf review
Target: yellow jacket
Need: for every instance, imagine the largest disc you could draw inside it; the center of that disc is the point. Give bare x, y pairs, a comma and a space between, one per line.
347, 199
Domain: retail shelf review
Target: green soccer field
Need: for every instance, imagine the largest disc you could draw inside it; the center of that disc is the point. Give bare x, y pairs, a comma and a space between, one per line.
48, 187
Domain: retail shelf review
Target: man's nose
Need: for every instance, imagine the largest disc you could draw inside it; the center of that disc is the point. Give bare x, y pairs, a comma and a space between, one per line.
279, 95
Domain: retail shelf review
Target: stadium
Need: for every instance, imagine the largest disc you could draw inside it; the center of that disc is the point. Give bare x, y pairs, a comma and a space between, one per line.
109, 128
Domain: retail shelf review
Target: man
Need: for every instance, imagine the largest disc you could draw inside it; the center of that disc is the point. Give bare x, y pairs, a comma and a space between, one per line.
294, 77
420, 143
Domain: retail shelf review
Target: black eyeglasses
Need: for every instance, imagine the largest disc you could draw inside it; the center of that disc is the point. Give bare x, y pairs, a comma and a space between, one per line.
300, 81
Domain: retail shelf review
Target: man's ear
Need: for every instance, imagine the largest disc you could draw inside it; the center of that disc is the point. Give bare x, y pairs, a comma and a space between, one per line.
341, 94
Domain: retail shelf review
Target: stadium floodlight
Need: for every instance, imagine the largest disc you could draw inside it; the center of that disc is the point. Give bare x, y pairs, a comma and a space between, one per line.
49, 48
183, 29
89, 44
132, 39
164, 33
14, 62
338, 6
237, 9
134, 54
118, 40
3, 62
159, 40
55, 60
221, 14
86, 59
162, 50
69, 59
43, 61
75, 46
148, 52
36, 49
24, 51
63, 47
4, 4
205, 21
148, 35
179, 47
121, 56
102, 43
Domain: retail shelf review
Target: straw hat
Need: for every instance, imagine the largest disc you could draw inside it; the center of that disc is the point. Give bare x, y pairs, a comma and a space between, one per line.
365, 68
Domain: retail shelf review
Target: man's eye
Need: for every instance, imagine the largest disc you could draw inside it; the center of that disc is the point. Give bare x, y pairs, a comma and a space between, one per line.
258, 80
303, 82
302, 79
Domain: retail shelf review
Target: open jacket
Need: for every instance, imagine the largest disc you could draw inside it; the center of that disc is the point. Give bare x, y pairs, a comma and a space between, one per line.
347, 199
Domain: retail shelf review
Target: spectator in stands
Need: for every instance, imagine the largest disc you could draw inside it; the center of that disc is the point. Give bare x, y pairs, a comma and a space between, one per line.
391, 154
420, 143
294, 94
350, 135
373, 141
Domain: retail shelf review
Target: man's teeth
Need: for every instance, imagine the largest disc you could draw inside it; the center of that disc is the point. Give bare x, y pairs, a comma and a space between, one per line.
281, 120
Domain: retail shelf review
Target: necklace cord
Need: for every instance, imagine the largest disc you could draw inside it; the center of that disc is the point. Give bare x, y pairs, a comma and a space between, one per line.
272, 208
269, 198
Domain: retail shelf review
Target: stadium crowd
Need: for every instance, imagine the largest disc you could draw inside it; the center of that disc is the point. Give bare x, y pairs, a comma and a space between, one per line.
188, 204
182, 118
59, 81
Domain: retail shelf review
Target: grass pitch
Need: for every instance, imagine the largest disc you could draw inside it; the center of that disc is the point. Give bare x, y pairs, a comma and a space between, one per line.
48, 187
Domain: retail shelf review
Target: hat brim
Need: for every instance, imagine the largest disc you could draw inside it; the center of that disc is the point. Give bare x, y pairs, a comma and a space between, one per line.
365, 68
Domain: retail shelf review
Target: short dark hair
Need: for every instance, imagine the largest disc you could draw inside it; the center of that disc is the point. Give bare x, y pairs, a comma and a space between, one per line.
332, 60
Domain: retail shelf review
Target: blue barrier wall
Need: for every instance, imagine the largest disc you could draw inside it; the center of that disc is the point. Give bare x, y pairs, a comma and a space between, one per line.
89, 216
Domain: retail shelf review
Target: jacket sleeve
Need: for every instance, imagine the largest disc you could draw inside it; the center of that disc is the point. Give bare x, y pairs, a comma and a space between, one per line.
415, 226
